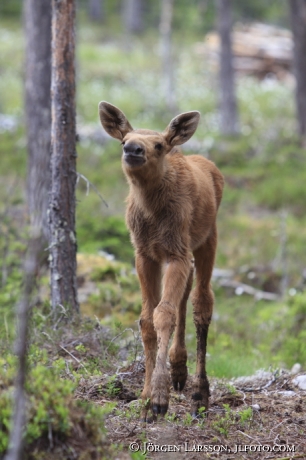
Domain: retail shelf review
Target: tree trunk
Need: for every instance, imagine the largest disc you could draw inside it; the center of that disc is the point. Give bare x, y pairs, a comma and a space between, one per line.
298, 24
15, 450
133, 16
63, 245
95, 10
37, 14
166, 52
228, 105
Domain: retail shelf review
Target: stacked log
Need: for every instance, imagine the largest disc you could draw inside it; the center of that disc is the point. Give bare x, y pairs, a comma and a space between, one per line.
259, 50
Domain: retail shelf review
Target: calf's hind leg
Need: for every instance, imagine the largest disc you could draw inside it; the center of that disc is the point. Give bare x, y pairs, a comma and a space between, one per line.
203, 301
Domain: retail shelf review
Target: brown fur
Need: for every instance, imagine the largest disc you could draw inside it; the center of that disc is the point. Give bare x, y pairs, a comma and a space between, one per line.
171, 213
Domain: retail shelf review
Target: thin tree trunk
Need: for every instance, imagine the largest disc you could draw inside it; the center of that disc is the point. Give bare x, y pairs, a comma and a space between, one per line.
15, 450
298, 24
63, 245
37, 14
228, 105
133, 15
95, 10
165, 29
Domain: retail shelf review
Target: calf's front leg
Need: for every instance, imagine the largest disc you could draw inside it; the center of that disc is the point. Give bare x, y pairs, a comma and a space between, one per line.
178, 352
149, 274
164, 318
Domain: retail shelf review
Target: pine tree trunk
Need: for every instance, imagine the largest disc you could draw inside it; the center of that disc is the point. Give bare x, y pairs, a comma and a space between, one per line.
228, 105
166, 52
298, 23
133, 15
16, 440
63, 245
37, 15
95, 10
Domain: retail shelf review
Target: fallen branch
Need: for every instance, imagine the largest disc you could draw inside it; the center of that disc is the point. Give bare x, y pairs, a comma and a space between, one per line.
241, 288
76, 359
263, 387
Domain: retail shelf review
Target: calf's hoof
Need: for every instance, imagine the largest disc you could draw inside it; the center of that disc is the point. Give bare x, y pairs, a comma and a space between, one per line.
179, 375
147, 416
200, 397
198, 402
160, 393
160, 409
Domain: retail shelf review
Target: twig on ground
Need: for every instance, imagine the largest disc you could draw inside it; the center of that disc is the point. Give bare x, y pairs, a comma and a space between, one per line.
248, 436
76, 359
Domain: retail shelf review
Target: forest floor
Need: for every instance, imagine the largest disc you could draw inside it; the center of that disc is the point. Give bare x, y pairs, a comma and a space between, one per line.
258, 417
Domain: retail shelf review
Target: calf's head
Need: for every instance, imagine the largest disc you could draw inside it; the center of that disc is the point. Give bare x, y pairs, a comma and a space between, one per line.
143, 148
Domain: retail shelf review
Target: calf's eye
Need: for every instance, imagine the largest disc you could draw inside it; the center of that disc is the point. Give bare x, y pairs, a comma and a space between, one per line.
158, 146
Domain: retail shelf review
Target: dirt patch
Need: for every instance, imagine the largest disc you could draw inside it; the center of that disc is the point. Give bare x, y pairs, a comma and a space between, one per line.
261, 418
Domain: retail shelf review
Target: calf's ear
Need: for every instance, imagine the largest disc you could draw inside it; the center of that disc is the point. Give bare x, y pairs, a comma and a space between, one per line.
181, 128
114, 121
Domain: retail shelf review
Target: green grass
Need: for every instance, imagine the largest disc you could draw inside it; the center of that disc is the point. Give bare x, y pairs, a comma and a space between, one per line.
246, 335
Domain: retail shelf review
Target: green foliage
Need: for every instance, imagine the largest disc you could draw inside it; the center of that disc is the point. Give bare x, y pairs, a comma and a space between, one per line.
229, 419
245, 335
223, 424
48, 405
231, 389
11, 65
48, 409
171, 417
274, 11
5, 419
290, 340
138, 456
112, 388
109, 234
109, 272
52, 409
193, 18
12, 249
245, 416
10, 8
7, 370
118, 293
201, 417
130, 412
188, 419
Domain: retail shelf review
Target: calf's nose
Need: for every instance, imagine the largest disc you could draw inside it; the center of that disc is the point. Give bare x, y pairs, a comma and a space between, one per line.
133, 149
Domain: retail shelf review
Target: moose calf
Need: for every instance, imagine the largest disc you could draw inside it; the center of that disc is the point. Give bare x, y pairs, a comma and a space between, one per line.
171, 213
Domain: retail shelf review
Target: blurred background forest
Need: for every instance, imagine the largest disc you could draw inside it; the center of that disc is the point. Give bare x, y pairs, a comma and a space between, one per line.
126, 55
